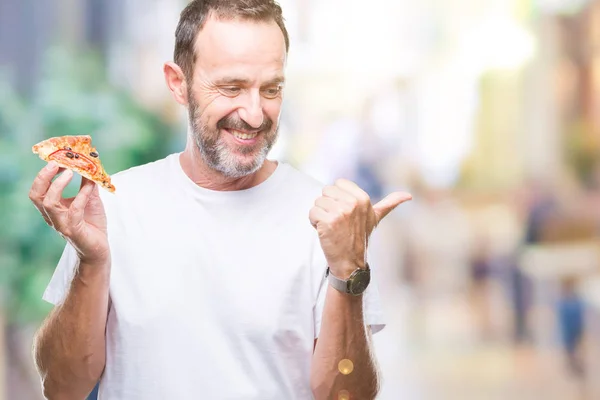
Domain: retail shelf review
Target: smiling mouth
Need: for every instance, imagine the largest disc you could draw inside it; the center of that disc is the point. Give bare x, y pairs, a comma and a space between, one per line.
243, 135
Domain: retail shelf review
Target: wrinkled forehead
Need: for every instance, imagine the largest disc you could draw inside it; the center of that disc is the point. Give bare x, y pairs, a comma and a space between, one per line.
240, 47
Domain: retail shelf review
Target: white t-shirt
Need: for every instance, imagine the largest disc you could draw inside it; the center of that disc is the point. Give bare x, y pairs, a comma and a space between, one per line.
214, 295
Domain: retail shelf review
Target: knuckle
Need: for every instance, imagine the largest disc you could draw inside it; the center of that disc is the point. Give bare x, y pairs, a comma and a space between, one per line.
39, 179
364, 199
325, 224
48, 203
340, 181
340, 214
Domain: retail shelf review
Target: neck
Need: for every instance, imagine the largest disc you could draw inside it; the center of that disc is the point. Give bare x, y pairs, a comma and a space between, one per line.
202, 175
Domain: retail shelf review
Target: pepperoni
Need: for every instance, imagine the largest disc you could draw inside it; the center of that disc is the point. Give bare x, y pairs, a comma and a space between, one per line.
74, 159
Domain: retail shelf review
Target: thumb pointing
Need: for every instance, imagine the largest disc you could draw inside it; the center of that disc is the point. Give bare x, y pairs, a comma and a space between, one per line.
389, 203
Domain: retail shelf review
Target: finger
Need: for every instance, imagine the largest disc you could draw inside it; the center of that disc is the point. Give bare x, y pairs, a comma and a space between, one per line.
84, 181
40, 186
42, 182
317, 215
391, 201
328, 204
339, 194
353, 189
77, 209
58, 173
52, 200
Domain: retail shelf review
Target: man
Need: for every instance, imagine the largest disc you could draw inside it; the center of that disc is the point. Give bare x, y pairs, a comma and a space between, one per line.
204, 275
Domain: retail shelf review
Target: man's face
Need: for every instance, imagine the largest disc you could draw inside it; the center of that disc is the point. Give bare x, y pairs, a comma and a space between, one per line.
236, 93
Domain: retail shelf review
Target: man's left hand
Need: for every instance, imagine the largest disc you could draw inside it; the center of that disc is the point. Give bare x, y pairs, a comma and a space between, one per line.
344, 218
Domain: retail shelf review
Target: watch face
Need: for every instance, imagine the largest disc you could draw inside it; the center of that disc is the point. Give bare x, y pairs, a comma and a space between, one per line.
360, 282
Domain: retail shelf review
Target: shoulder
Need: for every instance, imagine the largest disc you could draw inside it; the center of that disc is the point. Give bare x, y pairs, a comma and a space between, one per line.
141, 180
300, 183
145, 172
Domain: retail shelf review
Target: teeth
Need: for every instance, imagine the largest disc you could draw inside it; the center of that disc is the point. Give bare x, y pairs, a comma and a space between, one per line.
245, 136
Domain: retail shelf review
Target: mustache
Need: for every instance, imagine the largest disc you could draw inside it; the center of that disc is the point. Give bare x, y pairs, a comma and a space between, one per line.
237, 124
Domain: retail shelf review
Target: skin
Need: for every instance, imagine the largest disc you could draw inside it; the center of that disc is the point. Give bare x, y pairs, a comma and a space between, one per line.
236, 85
69, 348
344, 219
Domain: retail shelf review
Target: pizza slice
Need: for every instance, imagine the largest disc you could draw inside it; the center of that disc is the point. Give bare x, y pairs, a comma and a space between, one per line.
75, 153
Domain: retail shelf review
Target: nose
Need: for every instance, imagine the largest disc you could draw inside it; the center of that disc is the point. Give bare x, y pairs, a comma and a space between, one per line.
251, 110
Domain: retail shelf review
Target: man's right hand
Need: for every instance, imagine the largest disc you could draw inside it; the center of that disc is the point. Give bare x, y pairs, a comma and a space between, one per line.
81, 220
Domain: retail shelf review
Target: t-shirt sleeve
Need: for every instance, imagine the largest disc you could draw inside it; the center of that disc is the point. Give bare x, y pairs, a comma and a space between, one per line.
372, 307
57, 289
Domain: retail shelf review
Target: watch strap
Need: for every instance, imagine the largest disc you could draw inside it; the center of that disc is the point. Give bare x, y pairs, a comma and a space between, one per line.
338, 284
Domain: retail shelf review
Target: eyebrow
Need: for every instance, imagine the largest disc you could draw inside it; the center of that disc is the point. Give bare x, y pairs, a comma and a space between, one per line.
241, 81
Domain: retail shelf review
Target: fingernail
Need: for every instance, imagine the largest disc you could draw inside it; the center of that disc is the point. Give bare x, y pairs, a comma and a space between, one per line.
51, 165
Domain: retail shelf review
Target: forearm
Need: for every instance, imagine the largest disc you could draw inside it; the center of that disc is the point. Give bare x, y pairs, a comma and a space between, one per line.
343, 336
70, 347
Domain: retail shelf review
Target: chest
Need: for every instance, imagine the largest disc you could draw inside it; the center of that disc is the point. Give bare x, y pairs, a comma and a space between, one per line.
243, 274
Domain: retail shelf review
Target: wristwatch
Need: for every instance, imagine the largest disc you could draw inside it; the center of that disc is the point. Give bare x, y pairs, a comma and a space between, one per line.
355, 285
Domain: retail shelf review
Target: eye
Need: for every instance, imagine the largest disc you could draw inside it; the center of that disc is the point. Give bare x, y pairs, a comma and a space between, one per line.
230, 91
271, 92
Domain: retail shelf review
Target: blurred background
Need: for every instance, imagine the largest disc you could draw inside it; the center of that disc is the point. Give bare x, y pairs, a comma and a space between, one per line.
487, 111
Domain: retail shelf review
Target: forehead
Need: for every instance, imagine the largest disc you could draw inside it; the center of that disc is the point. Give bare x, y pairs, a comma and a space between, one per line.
240, 47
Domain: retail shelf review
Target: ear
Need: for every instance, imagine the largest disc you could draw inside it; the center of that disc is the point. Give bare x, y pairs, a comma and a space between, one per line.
176, 82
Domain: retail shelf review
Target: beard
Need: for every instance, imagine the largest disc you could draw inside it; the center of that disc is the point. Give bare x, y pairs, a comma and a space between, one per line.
221, 156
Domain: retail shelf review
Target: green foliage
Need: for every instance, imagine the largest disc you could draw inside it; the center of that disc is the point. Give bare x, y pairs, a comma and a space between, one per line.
73, 97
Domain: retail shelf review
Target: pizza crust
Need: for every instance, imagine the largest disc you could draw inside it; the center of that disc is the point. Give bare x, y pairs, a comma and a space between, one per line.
77, 154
